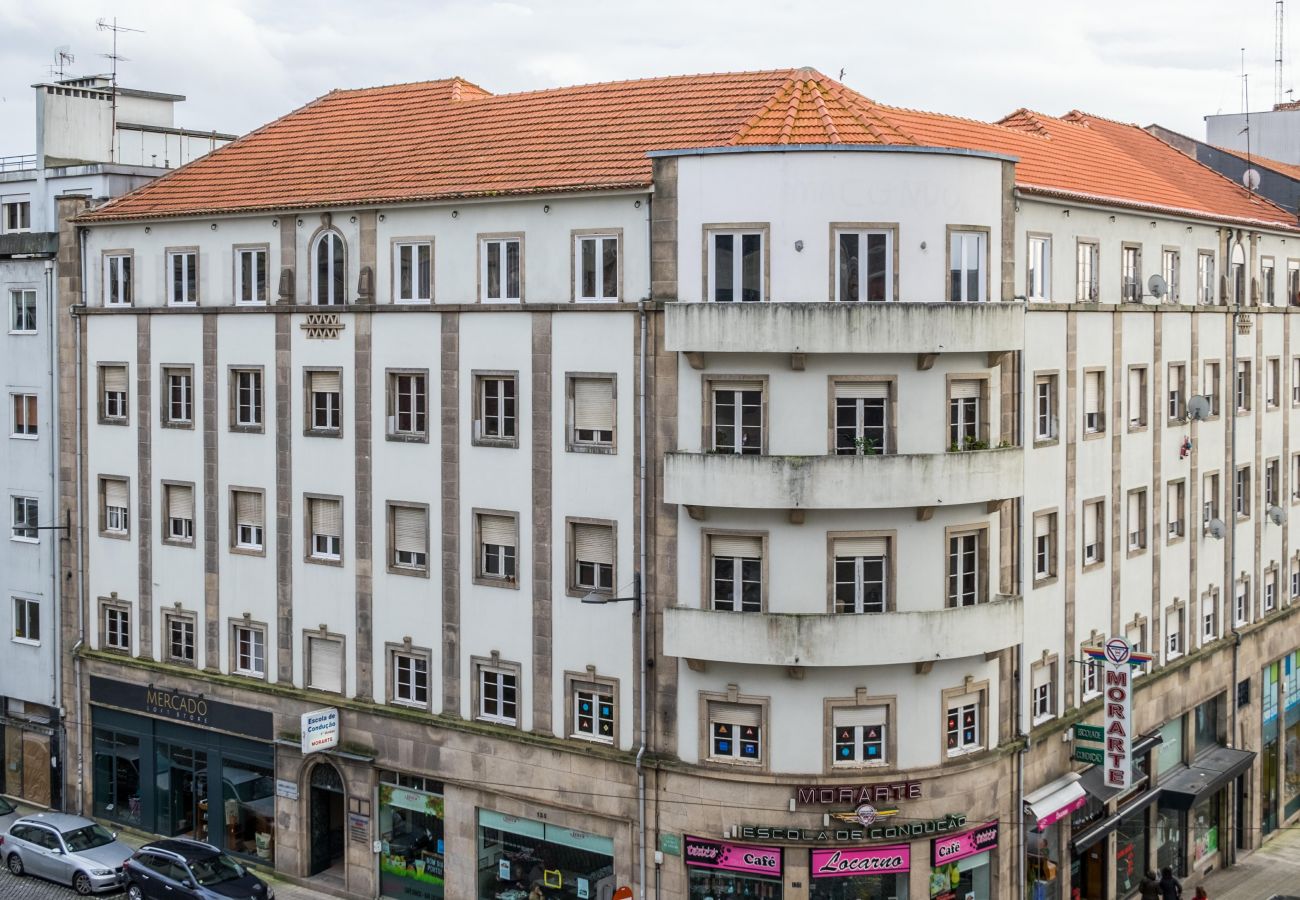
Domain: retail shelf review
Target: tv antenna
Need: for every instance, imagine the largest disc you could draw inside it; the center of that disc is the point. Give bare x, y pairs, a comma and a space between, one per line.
105, 25
1277, 53
62, 59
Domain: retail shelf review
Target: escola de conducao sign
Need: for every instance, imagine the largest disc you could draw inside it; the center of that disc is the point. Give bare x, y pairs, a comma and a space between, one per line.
320, 730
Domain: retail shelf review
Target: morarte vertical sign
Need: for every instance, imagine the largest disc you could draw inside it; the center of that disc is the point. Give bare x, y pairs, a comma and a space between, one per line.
1118, 771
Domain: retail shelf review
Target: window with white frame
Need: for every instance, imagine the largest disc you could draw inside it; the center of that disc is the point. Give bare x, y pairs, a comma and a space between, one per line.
1270, 589
325, 391
118, 279
115, 517
250, 276
410, 540
965, 569
324, 664
593, 712
330, 270
1295, 381
736, 572
737, 410
1177, 392
1176, 509
1039, 271
1212, 386
1205, 287
250, 650
498, 695
1209, 616
964, 413
15, 216
116, 624
112, 394
1243, 385
325, 526
413, 272
1131, 272
861, 417
1272, 482
25, 420
592, 413
1293, 282
410, 679
962, 726
1268, 281
735, 266
26, 511
27, 620
249, 520
1137, 397
1044, 546
1086, 270
1273, 383
861, 574
1094, 532
1042, 694
1170, 265
496, 419
967, 264
408, 401
179, 408
498, 543
864, 265
859, 735
22, 312
1241, 492
1090, 678
179, 500
502, 275
1094, 398
1174, 633
1046, 426
595, 262
1295, 578
180, 639
1241, 602
183, 277
1137, 520
735, 731
1209, 499
593, 552
246, 399
1136, 635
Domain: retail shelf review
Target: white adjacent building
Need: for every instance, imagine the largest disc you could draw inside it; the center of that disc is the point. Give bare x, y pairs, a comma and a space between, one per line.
711, 485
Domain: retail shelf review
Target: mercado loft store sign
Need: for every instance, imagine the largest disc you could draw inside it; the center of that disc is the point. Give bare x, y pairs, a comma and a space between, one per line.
1118, 771
320, 730
181, 706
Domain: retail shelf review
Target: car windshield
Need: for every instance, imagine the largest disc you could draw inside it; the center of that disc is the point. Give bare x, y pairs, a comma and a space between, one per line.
215, 869
87, 838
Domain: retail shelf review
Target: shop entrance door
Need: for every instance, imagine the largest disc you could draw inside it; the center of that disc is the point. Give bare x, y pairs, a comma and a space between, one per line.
181, 797
1088, 873
326, 819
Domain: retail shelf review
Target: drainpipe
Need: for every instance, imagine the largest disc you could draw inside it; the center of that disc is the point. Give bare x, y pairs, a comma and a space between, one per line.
1232, 508
641, 606
56, 637
80, 718
1022, 738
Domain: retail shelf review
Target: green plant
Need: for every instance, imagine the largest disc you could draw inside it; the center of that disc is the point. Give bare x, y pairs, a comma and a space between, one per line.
969, 442
867, 446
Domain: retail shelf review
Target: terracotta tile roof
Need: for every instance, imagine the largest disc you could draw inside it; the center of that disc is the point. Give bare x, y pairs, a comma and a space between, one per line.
1287, 169
449, 139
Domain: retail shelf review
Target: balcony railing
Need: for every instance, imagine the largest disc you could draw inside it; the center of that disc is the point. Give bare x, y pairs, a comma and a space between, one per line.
17, 163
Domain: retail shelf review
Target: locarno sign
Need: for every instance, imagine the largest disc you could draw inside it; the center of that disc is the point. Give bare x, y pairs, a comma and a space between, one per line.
320, 730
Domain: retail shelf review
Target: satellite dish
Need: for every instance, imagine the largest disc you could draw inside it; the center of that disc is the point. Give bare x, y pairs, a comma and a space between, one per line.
1276, 515
1157, 286
1216, 529
1250, 178
1198, 407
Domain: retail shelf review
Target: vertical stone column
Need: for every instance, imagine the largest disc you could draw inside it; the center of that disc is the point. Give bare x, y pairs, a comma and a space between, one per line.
449, 382
1068, 428
663, 231
663, 560
362, 387
144, 488
1156, 526
1118, 499
543, 625
211, 498
283, 496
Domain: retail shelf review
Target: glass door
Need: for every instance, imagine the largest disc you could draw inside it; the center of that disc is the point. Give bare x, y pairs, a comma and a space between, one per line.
181, 795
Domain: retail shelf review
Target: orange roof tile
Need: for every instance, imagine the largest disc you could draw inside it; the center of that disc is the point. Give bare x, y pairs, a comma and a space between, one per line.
450, 138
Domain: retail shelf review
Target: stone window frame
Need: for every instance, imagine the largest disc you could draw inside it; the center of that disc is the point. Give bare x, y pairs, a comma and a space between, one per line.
394, 243
390, 407
132, 282
1099, 502
1295, 382
1294, 474
1144, 377
1272, 365
891, 567
235, 285
1102, 390
1052, 663
1267, 292
308, 548
103, 417
706, 407
1094, 286
947, 696
180, 614
164, 529
1245, 497
113, 602
1275, 463
1142, 624
1216, 400
390, 518
326, 227
233, 520
1054, 545
589, 680
1202, 254
575, 237
480, 242
1174, 284
985, 425
709, 229
570, 556
1249, 363
1144, 513
101, 481
571, 445
705, 731
1181, 365
983, 590
494, 662
1218, 498
478, 576
1177, 610
308, 407
1276, 571
406, 648
706, 568
951, 229
1123, 248
1171, 538
861, 698
1210, 604
832, 381
246, 621
232, 377
1088, 664
21, 619
1053, 377
889, 228
1286, 286
165, 371
477, 377
167, 254
1030, 237
322, 633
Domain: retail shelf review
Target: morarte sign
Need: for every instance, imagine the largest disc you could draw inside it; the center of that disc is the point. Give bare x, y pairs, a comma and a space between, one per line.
855, 795
1118, 768
891, 832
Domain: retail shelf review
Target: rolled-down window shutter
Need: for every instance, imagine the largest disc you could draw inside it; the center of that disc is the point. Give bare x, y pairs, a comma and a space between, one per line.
1042, 675
965, 388
326, 518
860, 715
1134, 393
737, 386
115, 494
736, 545
1042, 526
248, 508
181, 502
1090, 514
593, 403
742, 714
1134, 511
862, 390
115, 379
1091, 390
326, 382
864, 546
499, 530
326, 665
409, 529
593, 543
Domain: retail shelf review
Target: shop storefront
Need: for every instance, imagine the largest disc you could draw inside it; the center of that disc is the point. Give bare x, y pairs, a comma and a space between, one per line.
1291, 735
717, 870
1090, 863
1131, 851
27, 744
1270, 752
1045, 810
1194, 799
961, 865
180, 765
411, 862
516, 856
860, 873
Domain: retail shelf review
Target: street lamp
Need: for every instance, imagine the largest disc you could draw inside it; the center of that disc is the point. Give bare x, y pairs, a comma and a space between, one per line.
600, 599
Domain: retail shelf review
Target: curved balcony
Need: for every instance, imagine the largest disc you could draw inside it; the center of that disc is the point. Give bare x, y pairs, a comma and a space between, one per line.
843, 482
921, 328
824, 639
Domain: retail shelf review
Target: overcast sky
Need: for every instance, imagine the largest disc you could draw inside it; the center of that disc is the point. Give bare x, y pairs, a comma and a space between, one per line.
244, 62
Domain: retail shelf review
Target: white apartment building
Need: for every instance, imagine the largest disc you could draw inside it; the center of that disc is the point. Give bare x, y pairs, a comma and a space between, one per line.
875, 419
75, 159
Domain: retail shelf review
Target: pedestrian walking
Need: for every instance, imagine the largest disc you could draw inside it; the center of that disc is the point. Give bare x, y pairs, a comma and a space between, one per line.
1149, 886
1170, 887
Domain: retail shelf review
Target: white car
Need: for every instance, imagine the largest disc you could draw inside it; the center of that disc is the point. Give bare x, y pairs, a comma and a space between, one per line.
67, 849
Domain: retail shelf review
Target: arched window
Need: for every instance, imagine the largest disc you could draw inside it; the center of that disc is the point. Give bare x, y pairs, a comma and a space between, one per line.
330, 266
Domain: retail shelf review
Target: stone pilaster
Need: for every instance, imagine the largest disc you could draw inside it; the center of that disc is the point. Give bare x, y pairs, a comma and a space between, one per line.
449, 381
543, 679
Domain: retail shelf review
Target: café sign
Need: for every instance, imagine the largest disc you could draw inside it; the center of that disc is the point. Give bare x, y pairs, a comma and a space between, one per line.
706, 854
947, 850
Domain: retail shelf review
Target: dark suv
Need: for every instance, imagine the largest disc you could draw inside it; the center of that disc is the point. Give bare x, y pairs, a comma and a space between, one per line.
180, 869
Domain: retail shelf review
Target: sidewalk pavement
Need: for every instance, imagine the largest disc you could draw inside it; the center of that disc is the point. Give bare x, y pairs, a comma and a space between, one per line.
1273, 871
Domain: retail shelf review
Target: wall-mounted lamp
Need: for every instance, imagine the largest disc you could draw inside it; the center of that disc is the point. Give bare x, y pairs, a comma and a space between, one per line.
147, 229
1112, 218
1065, 213
300, 223
798, 246
455, 213
637, 204
214, 226
546, 208
353, 219
381, 217
275, 223
922, 245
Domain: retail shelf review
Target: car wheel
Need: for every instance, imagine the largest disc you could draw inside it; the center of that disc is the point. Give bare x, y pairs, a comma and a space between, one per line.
134, 892
81, 884
16, 865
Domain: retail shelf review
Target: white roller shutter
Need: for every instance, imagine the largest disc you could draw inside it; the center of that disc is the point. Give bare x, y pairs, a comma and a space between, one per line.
180, 499
862, 390
1090, 514
115, 379
326, 517
736, 545
326, 665
742, 714
860, 715
327, 382
864, 546
115, 494
1091, 391
1042, 526
1042, 675
410, 530
736, 386
593, 403
1135, 393
499, 530
593, 543
965, 388
248, 508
